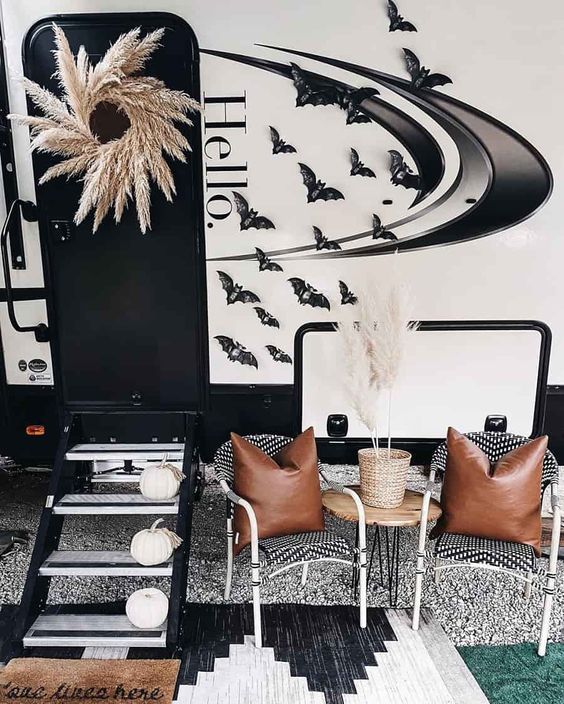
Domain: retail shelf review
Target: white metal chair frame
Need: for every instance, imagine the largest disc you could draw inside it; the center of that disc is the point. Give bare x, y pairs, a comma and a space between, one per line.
358, 561
549, 587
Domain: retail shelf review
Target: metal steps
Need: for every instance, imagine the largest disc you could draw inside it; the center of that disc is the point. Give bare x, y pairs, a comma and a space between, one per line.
76, 563
90, 630
113, 504
140, 452
85, 468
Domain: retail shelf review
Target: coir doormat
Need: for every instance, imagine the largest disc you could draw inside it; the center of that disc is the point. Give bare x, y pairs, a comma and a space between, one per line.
88, 681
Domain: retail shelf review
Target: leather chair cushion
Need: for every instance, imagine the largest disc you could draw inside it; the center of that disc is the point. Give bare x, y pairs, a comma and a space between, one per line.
283, 490
501, 501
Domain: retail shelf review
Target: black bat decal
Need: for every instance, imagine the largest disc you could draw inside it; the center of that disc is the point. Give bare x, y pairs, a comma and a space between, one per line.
321, 242
266, 318
422, 77
379, 232
316, 189
358, 168
279, 355
307, 295
265, 263
349, 100
347, 296
279, 146
401, 174
236, 352
397, 22
311, 91
249, 217
235, 292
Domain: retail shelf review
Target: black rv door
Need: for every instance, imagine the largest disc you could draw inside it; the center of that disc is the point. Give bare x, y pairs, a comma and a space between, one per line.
126, 309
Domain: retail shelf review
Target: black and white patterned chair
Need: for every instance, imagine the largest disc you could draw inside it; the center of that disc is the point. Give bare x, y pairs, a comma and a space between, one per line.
452, 550
288, 551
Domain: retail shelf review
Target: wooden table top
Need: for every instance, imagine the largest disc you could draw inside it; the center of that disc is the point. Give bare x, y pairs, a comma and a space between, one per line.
408, 514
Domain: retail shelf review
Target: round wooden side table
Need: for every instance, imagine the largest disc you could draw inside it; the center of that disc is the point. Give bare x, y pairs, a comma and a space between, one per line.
388, 519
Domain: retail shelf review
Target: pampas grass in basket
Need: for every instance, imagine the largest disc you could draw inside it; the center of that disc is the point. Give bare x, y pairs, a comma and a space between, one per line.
374, 346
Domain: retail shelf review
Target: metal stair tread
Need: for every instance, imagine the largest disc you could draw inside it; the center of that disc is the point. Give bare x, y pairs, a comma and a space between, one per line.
117, 504
85, 630
125, 451
99, 562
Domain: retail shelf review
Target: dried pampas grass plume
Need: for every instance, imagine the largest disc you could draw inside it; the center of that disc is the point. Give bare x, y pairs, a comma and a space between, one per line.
373, 347
120, 169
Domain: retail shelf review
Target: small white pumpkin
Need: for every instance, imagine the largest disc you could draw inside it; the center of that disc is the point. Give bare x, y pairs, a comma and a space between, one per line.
153, 545
160, 481
147, 608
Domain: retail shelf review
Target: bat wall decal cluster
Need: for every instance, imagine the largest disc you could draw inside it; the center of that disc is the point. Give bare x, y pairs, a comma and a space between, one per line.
312, 91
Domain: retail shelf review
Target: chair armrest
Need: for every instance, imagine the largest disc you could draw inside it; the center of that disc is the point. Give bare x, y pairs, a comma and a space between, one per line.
342, 489
240, 501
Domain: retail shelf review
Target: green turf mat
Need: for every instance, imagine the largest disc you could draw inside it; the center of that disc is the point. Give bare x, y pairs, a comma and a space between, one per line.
514, 674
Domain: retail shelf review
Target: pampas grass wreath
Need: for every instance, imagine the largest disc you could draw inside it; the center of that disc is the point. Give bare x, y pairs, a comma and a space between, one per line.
119, 169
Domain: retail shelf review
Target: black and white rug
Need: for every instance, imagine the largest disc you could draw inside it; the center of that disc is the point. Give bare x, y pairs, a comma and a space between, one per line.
319, 655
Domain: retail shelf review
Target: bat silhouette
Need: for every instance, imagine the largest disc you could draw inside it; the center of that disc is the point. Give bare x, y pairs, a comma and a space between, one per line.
311, 91
316, 189
349, 100
347, 296
358, 168
379, 232
235, 292
307, 295
279, 146
397, 22
236, 352
265, 263
249, 217
321, 242
279, 355
422, 77
267, 319
401, 174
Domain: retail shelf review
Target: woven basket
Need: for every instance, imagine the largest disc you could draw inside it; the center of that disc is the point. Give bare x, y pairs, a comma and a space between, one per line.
383, 477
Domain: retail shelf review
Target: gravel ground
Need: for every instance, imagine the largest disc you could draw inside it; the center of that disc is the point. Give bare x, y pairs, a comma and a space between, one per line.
473, 606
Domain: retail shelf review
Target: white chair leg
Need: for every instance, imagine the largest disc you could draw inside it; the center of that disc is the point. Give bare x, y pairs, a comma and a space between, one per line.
528, 585
255, 584
304, 573
362, 587
419, 572
438, 573
229, 575
546, 611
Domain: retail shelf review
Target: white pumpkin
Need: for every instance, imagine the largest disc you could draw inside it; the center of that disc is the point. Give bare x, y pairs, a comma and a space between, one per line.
147, 608
153, 545
160, 481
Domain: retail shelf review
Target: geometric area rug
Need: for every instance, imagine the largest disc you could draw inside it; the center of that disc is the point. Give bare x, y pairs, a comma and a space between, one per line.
319, 655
